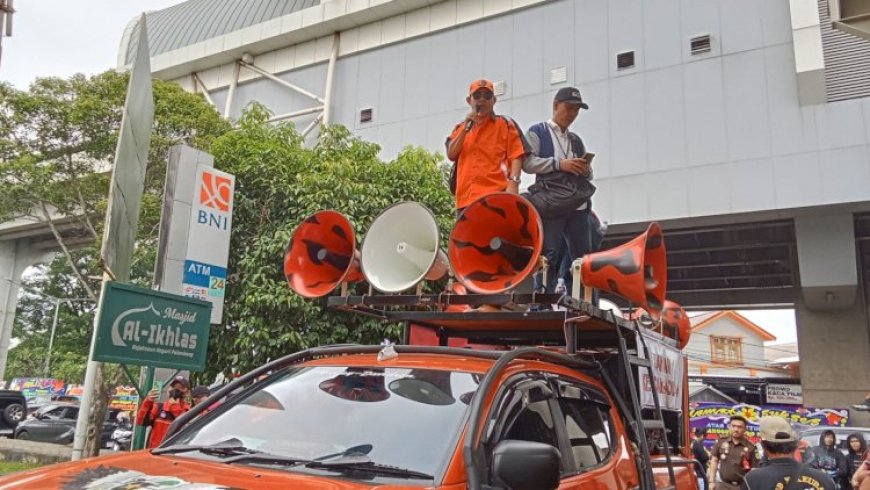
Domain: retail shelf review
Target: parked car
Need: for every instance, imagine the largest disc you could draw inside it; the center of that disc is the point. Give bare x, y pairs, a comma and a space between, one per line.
56, 423
812, 435
13, 407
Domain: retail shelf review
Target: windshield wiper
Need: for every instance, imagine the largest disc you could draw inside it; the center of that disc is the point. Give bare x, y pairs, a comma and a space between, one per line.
261, 457
264, 457
228, 447
359, 462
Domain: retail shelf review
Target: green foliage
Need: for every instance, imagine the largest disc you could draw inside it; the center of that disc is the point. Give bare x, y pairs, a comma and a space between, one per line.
279, 182
36, 307
7, 467
57, 146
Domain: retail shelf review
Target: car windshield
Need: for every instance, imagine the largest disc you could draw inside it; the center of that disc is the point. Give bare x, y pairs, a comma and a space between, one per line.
405, 418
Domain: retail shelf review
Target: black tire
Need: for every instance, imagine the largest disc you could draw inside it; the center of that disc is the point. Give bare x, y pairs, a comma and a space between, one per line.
13, 413
23, 435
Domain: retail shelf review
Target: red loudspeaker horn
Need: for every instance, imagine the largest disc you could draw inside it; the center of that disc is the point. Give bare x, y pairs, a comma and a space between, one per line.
676, 324
321, 255
636, 270
496, 243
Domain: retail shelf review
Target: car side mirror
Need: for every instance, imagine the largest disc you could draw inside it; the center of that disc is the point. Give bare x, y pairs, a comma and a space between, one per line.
525, 465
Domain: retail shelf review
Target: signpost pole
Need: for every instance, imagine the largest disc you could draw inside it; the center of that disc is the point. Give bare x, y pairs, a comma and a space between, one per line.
145, 387
91, 372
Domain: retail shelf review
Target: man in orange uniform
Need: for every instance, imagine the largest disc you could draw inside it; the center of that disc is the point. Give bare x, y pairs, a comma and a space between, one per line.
160, 415
488, 150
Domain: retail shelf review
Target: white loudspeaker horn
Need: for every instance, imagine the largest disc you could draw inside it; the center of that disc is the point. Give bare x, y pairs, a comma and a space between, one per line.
402, 247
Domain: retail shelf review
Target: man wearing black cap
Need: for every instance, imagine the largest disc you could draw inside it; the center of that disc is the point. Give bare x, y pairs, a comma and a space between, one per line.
198, 394
783, 473
562, 187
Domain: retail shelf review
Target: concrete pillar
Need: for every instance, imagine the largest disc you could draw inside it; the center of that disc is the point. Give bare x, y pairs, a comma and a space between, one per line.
832, 318
15, 257
834, 348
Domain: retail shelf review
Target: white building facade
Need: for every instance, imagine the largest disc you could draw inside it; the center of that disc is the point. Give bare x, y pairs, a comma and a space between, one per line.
743, 126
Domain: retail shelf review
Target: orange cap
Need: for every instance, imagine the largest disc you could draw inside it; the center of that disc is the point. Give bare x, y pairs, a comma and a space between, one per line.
479, 84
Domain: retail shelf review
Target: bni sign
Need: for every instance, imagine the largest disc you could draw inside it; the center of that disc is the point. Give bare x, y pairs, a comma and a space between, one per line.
208, 246
146, 327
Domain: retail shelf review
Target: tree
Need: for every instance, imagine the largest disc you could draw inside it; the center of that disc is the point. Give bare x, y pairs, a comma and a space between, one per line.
35, 312
57, 142
279, 182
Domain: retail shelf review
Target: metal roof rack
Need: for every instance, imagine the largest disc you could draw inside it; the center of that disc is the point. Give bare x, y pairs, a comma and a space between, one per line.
518, 321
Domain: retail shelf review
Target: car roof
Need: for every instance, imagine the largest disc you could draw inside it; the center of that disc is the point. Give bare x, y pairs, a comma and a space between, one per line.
439, 362
838, 431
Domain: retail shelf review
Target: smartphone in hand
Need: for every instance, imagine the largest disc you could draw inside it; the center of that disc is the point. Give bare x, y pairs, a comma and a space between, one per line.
588, 157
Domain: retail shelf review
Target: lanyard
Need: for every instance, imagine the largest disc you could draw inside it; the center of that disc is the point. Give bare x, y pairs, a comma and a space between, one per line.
559, 142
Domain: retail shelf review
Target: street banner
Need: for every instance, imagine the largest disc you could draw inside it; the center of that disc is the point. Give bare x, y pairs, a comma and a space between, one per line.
41, 389
667, 367
715, 417
146, 327
123, 398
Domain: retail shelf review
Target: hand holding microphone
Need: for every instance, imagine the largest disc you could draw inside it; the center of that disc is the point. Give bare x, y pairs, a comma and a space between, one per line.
472, 117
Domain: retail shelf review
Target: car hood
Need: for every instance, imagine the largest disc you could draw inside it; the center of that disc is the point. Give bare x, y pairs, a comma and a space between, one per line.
142, 470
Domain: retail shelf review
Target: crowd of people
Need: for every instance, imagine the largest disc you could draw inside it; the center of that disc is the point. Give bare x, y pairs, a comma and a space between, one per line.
490, 152
787, 464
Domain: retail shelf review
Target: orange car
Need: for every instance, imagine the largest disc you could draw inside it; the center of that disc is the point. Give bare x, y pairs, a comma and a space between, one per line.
338, 418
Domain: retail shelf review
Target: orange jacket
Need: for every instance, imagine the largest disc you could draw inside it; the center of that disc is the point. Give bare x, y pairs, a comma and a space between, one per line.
484, 163
159, 417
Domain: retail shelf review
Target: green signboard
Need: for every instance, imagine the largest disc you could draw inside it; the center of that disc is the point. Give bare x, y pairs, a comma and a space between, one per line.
142, 326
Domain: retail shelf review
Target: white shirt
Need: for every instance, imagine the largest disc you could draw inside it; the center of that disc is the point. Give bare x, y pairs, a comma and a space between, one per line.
562, 147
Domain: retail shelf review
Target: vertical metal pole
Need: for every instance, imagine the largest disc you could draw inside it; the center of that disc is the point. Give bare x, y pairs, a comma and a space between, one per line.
51, 338
406, 333
330, 78
145, 386
233, 83
93, 368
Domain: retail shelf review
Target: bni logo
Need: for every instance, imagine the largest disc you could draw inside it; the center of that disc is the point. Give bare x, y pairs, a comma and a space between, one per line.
215, 191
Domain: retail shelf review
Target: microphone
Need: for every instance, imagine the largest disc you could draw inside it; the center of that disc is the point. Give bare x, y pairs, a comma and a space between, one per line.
470, 123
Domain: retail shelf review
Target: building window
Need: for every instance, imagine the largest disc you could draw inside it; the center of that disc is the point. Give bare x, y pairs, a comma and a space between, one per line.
727, 350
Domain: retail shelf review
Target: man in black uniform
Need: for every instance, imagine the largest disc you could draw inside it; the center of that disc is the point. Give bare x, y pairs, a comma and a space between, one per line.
780, 441
733, 456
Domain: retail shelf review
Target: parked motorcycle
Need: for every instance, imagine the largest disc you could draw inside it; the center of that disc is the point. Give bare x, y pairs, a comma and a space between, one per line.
121, 438
123, 433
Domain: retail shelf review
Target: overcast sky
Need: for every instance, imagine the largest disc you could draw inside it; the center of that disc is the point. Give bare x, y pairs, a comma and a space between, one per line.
64, 37
780, 323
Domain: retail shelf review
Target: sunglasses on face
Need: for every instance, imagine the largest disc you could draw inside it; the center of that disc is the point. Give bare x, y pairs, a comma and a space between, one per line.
482, 94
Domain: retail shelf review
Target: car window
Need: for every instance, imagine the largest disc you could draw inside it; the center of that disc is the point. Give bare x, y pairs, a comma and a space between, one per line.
588, 429
530, 419
71, 413
523, 413
54, 413
410, 418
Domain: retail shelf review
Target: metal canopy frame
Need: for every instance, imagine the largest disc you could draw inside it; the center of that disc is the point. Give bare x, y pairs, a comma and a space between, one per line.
324, 103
